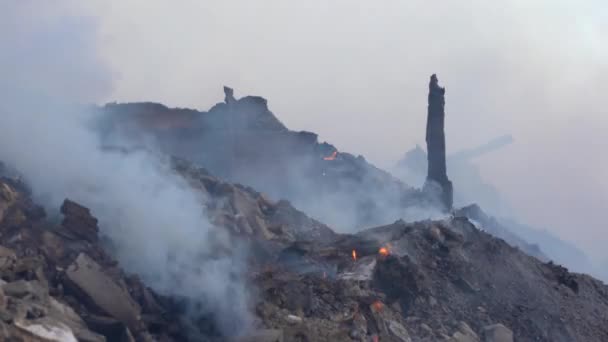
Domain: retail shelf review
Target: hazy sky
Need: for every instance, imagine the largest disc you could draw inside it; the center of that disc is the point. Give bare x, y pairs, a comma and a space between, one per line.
356, 72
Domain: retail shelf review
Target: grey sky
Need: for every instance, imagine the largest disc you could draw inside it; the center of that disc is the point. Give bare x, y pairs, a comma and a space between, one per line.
356, 72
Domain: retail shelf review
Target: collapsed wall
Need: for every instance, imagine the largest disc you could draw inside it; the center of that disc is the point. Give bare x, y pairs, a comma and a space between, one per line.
437, 178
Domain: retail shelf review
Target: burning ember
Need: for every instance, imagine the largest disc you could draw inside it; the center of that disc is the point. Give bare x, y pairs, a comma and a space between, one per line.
384, 251
332, 157
354, 253
377, 306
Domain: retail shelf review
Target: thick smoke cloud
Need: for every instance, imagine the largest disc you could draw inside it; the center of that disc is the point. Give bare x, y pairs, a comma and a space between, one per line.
356, 71
50, 68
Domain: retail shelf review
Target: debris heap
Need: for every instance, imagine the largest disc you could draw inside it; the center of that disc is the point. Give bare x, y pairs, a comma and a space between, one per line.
425, 281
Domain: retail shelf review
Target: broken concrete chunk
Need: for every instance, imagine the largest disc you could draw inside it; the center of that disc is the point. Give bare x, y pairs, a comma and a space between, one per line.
101, 290
66, 315
48, 329
497, 333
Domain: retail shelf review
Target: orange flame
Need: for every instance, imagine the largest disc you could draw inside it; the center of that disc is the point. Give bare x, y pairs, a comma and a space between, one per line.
377, 306
354, 253
332, 157
384, 251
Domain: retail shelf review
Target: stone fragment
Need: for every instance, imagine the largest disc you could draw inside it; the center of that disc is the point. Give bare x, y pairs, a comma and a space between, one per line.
89, 278
293, 319
48, 329
465, 334
497, 333
79, 221
399, 331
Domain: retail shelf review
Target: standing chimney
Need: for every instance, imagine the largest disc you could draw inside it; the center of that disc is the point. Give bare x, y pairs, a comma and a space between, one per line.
437, 178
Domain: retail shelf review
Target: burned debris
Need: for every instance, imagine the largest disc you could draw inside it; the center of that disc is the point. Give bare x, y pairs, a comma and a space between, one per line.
430, 280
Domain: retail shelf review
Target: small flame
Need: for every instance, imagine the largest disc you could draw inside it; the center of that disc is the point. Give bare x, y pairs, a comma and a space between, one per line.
354, 253
384, 251
377, 306
332, 157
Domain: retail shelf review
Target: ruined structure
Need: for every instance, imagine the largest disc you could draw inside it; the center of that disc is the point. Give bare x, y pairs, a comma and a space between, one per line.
437, 178
229, 95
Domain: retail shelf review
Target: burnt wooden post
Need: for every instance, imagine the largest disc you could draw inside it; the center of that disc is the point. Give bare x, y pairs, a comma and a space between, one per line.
437, 177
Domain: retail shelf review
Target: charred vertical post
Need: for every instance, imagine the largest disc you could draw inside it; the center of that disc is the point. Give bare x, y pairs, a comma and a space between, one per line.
230, 103
437, 177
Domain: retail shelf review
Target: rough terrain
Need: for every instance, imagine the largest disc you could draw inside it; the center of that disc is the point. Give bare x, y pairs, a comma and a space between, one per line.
450, 279
425, 281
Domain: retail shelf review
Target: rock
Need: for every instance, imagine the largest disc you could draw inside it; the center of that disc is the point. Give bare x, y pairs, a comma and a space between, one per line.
398, 331
424, 327
7, 257
8, 197
48, 330
66, 315
267, 335
99, 288
293, 319
497, 333
465, 334
79, 221
22, 288
111, 328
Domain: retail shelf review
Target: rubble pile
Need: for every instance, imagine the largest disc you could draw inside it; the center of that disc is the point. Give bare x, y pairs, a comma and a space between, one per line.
242, 141
58, 284
425, 281
420, 281
441, 281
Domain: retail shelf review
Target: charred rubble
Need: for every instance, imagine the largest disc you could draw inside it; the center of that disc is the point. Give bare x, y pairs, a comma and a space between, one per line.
422, 281
242, 141
426, 281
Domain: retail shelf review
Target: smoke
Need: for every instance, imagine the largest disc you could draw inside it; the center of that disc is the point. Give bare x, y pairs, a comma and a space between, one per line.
50, 68
356, 73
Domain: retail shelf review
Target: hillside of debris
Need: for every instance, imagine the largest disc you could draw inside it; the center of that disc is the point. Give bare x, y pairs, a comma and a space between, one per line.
242, 141
426, 281
472, 188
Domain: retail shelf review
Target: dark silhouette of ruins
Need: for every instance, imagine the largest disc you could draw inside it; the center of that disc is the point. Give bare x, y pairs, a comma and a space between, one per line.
437, 179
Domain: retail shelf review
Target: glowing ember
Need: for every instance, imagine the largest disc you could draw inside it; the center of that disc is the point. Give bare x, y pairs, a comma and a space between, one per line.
332, 157
354, 253
377, 306
384, 251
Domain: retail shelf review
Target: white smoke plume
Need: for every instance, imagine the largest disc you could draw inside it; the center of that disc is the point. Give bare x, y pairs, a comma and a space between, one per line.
49, 68
356, 73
